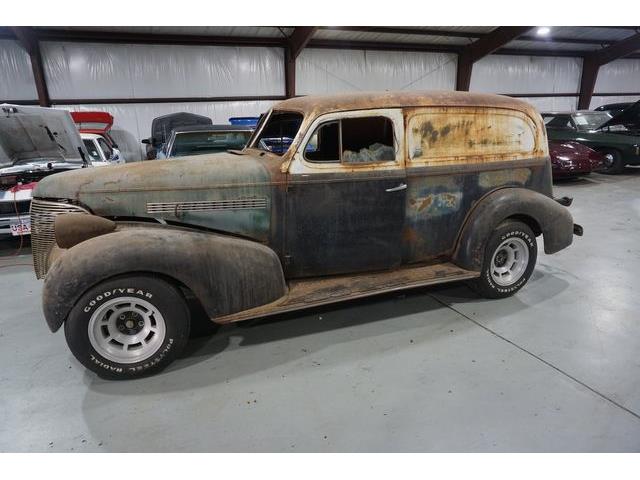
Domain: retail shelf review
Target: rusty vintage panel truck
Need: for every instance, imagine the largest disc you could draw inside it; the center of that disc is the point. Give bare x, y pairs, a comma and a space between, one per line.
351, 196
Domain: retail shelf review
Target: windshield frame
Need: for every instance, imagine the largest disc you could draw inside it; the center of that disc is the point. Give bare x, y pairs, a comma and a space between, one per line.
254, 144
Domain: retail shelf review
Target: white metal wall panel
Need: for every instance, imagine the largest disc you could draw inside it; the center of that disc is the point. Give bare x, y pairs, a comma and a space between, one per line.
16, 76
526, 74
132, 122
619, 76
553, 104
597, 101
321, 71
94, 70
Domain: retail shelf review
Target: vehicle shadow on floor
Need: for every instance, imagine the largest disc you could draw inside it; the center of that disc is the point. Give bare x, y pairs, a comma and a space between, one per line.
380, 316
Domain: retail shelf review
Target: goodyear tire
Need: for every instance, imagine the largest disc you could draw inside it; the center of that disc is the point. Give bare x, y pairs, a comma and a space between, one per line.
510, 257
128, 327
613, 163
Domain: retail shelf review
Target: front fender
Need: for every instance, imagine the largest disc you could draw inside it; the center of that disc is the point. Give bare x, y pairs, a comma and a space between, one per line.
552, 219
226, 274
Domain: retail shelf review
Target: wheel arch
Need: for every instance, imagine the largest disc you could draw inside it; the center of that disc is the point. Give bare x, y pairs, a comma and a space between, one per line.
224, 274
542, 214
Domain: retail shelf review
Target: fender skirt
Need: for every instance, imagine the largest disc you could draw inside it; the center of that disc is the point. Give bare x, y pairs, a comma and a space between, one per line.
554, 222
226, 274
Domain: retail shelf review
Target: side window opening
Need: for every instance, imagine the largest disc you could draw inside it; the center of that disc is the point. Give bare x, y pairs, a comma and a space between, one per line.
324, 145
352, 140
366, 140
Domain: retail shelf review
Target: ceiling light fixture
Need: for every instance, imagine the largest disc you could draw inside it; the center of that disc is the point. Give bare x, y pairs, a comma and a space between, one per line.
543, 31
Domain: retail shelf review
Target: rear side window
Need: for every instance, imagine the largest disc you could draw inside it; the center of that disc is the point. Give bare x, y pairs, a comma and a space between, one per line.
352, 140
447, 135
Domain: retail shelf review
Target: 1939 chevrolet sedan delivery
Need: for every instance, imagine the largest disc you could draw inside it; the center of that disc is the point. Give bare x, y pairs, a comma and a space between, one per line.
375, 193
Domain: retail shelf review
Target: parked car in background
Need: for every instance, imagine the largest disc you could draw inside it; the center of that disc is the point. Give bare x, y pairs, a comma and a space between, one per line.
201, 139
572, 159
161, 129
101, 153
613, 108
376, 193
35, 143
251, 122
99, 125
618, 138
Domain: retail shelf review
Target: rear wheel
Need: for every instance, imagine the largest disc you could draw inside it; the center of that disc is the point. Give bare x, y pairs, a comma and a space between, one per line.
128, 327
613, 163
509, 259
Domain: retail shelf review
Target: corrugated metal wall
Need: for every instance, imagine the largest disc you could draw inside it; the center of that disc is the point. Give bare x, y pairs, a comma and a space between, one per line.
102, 71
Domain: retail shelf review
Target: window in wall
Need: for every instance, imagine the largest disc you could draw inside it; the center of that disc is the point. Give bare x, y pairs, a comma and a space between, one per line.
352, 140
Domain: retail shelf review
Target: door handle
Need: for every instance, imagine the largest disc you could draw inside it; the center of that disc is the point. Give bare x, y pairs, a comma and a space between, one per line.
402, 186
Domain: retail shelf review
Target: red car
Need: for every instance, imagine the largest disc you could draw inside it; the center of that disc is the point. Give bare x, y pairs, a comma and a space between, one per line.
571, 159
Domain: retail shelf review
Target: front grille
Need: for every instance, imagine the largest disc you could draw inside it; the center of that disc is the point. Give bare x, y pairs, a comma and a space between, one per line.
43, 214
9, 208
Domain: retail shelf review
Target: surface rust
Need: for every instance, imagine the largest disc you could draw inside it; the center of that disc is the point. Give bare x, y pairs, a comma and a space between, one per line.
314, 292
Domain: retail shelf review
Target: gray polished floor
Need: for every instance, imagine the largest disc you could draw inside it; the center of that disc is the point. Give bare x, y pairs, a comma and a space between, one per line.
555, 368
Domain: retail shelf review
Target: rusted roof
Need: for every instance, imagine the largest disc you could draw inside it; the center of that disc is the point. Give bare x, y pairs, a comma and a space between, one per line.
320, 104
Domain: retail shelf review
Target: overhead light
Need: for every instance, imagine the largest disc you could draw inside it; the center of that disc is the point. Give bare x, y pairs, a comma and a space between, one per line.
543, 31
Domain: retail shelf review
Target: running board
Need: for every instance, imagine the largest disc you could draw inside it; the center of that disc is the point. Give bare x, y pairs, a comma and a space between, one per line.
313, 292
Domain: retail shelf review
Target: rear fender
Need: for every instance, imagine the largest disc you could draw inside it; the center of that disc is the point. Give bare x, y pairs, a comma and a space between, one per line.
544, 214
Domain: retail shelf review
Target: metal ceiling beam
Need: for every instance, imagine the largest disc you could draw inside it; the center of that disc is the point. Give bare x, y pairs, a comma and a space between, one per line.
28, 39
154, 38
409, 31
481, 48
592, 63
389, 46
298, 39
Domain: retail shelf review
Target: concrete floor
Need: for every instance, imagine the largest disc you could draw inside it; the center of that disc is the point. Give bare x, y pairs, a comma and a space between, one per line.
555, 368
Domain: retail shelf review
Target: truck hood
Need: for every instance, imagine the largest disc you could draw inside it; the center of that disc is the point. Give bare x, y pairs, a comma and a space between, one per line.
223, 192
38, 135
165, 178
629, 118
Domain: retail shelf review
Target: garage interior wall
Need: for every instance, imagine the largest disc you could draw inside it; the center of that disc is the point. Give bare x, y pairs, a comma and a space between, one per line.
618, 76
77, 71
530, 74
321, 71
16, 76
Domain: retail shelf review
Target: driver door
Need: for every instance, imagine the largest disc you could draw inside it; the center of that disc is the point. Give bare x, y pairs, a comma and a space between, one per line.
346, 191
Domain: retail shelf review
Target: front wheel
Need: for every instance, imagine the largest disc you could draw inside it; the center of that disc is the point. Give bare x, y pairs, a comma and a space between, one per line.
128, 327
509, 259
613, 162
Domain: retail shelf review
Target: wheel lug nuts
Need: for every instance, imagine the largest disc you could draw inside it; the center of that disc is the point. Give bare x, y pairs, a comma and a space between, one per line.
121, 327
